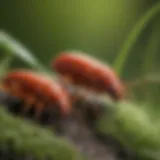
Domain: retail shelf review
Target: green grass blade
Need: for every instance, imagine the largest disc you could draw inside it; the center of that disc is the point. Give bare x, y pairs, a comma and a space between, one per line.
133, 36
14, 47
5, 64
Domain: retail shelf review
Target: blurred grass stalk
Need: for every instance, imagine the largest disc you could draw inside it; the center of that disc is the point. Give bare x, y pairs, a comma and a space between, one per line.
5, 64
133, 127
133, 37
150, 59
12, 47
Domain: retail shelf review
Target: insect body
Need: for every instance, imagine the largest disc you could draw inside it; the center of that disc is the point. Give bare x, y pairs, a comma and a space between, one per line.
36, 90
87, 71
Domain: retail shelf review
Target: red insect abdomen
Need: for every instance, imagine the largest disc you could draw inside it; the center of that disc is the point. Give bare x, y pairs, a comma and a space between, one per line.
87, 71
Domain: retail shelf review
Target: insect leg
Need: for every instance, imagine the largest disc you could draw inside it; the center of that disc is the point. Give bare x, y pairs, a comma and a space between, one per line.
39, 108
29, 101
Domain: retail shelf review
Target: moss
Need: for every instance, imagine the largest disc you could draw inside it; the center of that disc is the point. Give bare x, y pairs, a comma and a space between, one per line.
134, 128
23, 138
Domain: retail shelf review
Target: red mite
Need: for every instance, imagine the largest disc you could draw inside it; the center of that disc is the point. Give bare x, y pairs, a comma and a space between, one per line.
38, 90
89, 72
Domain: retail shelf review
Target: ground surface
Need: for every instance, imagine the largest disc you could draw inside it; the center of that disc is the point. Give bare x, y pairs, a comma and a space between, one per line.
81, 134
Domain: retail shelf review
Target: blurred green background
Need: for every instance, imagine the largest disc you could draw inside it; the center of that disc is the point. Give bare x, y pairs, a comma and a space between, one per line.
99, 27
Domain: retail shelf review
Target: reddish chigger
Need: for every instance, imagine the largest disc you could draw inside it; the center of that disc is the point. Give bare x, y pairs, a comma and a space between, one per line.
37, 89
86, 71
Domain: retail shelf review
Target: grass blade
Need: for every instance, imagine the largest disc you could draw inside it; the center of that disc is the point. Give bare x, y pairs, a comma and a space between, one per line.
5, 64
133, 36
14, 47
